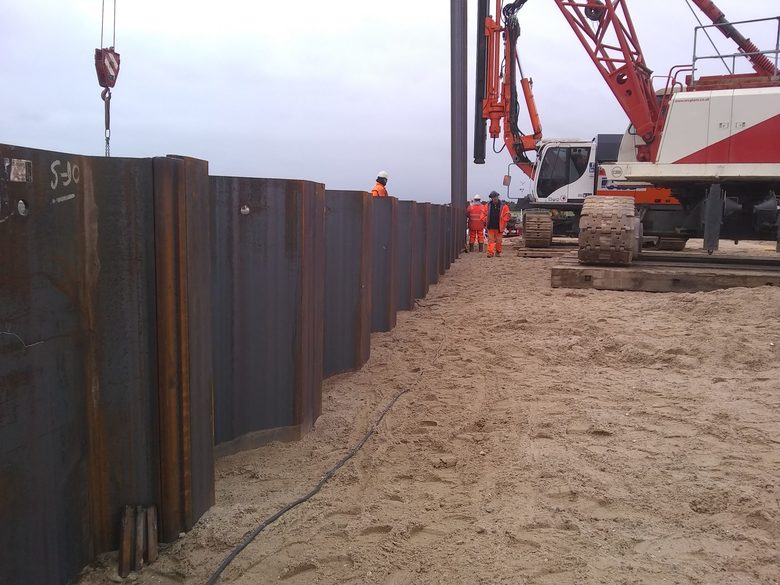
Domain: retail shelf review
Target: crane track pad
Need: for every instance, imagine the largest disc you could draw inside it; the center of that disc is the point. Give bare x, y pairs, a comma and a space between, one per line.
610, 231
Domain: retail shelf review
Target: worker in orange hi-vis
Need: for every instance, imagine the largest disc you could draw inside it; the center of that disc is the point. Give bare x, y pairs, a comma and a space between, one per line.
496, 216
475, 214
379, 189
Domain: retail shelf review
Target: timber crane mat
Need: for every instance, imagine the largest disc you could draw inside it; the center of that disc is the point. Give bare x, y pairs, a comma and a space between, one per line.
665, 272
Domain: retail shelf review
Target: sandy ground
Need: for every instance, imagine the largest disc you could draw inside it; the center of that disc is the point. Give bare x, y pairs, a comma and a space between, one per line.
550, 436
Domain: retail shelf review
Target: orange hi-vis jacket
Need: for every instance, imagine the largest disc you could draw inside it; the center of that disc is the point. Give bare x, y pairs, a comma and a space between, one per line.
476, 214
379, 190
504, 216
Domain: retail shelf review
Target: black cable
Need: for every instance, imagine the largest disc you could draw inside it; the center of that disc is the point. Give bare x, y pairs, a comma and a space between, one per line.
325, 479
503, 146
250, 536
511, 9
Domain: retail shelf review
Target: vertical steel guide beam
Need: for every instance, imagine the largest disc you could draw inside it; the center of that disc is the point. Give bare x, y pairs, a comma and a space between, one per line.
459, 109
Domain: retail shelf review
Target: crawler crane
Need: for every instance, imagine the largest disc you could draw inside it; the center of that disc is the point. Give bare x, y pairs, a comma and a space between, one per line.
700, 158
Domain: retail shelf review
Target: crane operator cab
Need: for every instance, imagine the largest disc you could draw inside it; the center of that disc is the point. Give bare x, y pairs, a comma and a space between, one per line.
566, 172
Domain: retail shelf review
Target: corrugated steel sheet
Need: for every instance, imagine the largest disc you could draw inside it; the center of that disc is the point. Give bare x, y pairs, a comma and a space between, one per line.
420, 277
200, 228
137, 293
383, 303
450, 251
434, 244
407, 238
184, 354
348, 246
269, 266
79, 410
443, 241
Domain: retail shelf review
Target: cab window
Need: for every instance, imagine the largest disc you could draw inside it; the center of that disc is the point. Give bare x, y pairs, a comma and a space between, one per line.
554, 172
561, 165
579, 162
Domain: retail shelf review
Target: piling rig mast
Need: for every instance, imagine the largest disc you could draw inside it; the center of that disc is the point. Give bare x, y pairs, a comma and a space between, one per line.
498, 104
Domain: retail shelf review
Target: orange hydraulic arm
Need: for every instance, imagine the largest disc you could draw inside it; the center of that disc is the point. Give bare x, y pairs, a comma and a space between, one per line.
497, 100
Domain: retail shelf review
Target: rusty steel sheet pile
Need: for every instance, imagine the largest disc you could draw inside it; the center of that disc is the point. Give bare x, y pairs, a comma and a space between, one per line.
347, 342
443, 244
185, 371
420, 273
269, 263
79, 434
407, 241
153, 317
383, 226
275, 243
434, 244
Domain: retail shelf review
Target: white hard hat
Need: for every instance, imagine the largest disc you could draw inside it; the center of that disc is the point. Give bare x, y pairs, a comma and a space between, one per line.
477, 198
382, 174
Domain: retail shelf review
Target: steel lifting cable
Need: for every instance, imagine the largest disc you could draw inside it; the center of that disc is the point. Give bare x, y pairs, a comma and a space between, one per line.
707, 33
107, 67
327, 476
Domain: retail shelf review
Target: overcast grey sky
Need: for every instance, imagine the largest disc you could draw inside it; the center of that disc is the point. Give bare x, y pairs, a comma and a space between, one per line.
326, 91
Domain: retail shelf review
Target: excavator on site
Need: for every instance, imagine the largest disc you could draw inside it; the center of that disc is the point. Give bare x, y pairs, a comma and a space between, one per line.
700, 158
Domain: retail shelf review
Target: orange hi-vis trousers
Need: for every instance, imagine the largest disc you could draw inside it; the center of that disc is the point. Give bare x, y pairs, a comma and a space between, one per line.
495, 239
476, 236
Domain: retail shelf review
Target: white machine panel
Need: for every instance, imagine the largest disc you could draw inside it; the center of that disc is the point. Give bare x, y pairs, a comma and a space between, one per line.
687, 126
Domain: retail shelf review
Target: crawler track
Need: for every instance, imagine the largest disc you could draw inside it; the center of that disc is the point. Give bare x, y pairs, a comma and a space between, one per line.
610, 232
537, 228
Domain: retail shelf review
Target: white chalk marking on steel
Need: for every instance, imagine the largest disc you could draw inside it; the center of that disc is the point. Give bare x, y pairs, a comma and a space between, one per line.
63, 198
